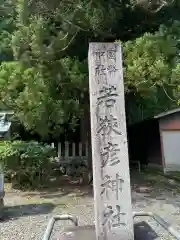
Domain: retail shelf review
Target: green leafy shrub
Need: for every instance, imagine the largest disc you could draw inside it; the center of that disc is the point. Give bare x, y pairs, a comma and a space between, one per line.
26, 164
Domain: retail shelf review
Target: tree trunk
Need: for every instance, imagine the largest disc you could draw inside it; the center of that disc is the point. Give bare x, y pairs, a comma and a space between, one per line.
86, 129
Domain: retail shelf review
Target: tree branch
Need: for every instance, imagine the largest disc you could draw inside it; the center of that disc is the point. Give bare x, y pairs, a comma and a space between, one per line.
70, 41
167, 94
149, 4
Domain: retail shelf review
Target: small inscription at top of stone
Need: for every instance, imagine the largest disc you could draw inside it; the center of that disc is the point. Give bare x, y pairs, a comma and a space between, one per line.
101, 53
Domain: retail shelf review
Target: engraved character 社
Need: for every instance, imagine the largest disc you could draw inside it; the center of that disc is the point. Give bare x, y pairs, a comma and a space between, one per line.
112, 218
108, 154
117, 217
112, 185
107, 125
108, 96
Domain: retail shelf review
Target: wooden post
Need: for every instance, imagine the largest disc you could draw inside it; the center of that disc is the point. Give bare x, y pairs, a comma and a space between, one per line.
80, 149
1, 190
112, 193
1, 183
59, 150
73, 149
86, 154
66, 150
52, 145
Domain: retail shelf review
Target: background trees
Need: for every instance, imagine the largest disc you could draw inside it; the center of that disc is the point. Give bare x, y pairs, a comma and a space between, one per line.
43, 53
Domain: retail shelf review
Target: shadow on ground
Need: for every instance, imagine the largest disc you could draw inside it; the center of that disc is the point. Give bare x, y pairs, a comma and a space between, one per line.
153, 185
59, 192
14, 212
142, 231
147, 187
147, 184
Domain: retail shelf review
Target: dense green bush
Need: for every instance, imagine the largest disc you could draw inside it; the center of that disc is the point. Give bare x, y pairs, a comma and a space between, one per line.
26, 164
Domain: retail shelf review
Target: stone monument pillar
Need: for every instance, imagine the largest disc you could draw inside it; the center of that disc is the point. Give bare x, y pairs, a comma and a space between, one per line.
112, 193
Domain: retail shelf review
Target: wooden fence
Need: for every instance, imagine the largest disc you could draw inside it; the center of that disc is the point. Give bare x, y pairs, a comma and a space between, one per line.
67, 151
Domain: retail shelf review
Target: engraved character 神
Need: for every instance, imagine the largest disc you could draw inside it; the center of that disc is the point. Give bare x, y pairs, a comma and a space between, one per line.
108, 96
114, 185
108, 154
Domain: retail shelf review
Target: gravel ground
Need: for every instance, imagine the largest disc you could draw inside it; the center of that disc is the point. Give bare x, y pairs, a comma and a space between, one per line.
28, 212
